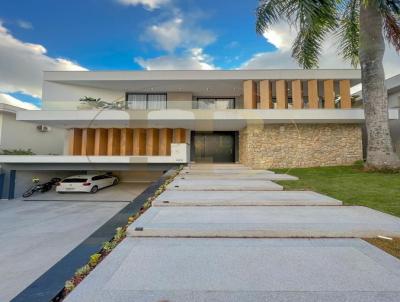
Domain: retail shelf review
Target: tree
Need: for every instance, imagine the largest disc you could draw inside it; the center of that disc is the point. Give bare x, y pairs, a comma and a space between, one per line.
361, 27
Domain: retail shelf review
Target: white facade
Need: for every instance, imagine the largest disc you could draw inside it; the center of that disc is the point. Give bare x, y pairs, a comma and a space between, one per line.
16, 134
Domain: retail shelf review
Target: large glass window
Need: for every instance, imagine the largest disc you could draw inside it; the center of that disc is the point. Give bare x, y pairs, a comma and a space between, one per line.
215, 103
137, 101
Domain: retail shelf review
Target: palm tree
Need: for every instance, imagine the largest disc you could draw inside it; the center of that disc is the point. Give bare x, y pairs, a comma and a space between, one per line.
361, 27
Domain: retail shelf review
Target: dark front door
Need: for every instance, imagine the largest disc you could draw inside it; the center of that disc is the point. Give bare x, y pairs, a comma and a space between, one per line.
213, 147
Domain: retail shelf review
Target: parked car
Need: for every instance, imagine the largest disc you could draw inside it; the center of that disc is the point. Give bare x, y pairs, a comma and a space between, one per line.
86, 183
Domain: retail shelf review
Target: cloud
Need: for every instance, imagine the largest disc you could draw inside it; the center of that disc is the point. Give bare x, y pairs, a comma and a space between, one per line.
178, 32
24, 24
282, 37
192, 59
148, 4
10, 100
22, 65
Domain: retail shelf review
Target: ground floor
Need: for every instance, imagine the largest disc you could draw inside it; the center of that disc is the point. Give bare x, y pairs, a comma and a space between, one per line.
149, 152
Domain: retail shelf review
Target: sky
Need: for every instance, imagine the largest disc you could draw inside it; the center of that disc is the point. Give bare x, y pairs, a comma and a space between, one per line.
139, 35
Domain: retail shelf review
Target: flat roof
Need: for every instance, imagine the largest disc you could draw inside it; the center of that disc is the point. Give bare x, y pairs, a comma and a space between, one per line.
166, 75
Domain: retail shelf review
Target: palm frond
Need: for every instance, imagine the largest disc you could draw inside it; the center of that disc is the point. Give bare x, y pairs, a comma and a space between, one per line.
349, 31
391, 28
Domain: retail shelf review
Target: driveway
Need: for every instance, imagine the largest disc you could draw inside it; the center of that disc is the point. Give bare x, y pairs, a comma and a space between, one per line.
37, 234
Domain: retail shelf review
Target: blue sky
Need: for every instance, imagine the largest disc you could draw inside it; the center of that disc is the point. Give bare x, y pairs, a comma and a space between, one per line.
105, 34
138, 34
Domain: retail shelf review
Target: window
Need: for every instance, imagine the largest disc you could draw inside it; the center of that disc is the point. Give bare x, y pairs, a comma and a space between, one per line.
144, 101
215, 103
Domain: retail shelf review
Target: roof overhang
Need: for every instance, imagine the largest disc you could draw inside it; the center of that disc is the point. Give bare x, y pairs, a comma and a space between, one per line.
196, 81
205, 120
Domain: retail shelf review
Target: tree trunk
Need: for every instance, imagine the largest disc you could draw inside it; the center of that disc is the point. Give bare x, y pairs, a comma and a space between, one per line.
380, 152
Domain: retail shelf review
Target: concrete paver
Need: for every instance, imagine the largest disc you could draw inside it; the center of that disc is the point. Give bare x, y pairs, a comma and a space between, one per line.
243, 198
223, 185
233, 176
37, 234
265, 221
245, 270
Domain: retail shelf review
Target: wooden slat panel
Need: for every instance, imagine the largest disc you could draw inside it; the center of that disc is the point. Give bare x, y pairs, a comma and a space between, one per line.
329, 94
139, 142
313, 97
249, 94
126, 141
88, 141
281, 94
297, 94
100, 141
179, 136
165, 141
266, 95
152, 141
114, 137
75, 141
345, 98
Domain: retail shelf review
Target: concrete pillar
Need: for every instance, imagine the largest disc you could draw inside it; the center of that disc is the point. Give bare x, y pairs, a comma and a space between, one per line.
114, 140
281, 94
266, 95
126, 141
313, 96
297, 94
250, 94
100, 141
345, 98
329, 94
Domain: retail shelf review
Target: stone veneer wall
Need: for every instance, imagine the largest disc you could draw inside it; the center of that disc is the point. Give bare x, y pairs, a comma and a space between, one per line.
300, 145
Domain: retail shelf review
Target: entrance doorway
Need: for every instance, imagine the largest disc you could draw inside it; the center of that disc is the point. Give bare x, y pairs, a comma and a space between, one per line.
213, 147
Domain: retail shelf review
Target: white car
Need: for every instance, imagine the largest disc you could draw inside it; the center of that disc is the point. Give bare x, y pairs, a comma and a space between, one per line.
86, 183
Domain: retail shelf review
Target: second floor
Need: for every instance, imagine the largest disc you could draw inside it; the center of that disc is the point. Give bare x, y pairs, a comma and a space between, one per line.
199, 90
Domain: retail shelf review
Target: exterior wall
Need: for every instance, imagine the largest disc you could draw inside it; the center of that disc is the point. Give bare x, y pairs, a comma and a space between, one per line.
24, 135
394, 102
58, 96
302, 145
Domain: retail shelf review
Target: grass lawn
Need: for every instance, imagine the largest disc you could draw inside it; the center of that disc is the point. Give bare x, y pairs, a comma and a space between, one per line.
380, 191
353, 186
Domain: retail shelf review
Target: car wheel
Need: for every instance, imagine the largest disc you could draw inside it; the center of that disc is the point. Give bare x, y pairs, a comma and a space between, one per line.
115, 182
94, 189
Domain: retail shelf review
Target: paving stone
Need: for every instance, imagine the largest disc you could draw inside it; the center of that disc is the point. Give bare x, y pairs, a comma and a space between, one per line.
265, 221
242, 270
223, 185
243, 198
250, 176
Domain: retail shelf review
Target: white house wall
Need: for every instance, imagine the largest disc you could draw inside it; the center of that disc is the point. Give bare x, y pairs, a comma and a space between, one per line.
394, 102
24, 135
58, 96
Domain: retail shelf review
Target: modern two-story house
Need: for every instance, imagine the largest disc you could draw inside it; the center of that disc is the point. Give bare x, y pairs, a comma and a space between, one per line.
131, 120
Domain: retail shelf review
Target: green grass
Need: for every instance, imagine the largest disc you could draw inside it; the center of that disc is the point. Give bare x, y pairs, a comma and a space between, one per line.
352, 185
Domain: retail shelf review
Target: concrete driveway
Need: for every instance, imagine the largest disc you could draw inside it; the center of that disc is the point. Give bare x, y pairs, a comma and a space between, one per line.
124, 191
37, 234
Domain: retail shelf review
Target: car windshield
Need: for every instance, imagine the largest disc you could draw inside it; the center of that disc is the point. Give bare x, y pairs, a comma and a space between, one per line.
70, 180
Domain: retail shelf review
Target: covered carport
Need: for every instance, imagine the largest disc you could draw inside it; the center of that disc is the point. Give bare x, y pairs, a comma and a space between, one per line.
134, 179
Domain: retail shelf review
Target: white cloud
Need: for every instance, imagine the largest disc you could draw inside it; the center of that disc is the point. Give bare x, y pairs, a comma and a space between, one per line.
193, 59
24, 24
178, 32
22, 64
282, 37
10, 100
148, 4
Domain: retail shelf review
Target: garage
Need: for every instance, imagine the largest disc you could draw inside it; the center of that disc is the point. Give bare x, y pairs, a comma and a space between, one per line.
130, 185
